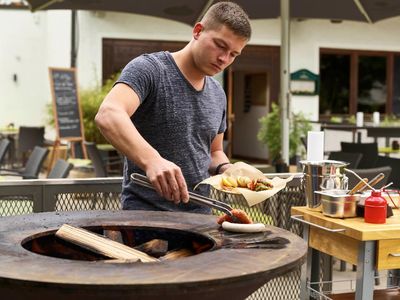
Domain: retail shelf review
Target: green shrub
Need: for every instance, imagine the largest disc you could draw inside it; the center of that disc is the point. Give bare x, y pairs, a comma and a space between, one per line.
270, 132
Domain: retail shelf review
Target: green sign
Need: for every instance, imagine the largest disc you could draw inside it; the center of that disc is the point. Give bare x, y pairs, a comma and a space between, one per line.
304, 82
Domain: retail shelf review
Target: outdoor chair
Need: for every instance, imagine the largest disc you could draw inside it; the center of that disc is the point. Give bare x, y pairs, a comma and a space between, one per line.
352, 158
28, 138
32, 167
394, 163
100, 164
370, 173
61, 169
4, 147
369, 153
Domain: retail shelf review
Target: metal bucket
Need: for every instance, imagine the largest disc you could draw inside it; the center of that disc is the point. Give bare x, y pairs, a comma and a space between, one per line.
322, 175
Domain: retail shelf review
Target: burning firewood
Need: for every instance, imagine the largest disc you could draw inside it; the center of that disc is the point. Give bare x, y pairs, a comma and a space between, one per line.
175, 254
114, 235
155, 248
198, 247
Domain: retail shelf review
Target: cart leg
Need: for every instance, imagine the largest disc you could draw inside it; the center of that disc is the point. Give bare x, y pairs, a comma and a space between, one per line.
315, 269
306, 268
365, 271
326, 272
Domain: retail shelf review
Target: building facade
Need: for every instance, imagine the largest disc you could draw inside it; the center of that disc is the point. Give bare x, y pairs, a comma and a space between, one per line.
349, 51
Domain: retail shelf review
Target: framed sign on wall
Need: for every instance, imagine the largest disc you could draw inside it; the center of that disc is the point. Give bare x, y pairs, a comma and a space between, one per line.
304, 83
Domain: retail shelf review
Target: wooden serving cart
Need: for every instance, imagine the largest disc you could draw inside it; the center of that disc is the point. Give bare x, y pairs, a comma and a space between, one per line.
369, 246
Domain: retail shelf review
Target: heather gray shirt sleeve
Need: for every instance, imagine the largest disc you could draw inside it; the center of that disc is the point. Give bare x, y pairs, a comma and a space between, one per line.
141, 75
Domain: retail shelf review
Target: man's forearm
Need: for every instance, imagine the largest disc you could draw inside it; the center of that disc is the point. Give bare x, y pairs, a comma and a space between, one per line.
118, 129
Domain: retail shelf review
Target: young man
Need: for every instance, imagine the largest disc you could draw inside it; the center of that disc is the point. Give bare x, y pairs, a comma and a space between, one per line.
167, 115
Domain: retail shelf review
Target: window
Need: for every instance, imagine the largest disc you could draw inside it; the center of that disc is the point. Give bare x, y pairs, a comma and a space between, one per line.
335, 84
372, 94
396, 85
355, 80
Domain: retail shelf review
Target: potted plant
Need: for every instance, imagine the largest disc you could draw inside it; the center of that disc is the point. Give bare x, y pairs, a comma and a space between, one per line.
270, 135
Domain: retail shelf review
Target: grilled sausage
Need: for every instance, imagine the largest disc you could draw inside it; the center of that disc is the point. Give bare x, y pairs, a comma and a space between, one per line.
239, 214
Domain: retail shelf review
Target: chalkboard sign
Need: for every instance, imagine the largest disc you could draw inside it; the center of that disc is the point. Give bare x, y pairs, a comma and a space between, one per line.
67, 112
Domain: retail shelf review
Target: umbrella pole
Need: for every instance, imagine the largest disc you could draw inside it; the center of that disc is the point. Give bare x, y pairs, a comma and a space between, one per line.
73, 38
284, 82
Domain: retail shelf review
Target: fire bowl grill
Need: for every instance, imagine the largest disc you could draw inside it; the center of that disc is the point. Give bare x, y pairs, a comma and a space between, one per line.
219, 273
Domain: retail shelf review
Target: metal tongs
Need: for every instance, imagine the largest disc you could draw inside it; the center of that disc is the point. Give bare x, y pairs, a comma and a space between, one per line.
199, 199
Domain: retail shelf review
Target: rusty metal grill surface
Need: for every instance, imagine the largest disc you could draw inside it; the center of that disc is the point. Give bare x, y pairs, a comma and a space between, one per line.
168, 280
275, 211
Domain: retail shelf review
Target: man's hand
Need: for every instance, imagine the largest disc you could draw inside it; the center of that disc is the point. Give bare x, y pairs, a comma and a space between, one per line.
168, 180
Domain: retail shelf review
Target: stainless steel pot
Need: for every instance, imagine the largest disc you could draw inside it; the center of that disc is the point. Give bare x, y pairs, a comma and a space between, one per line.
322, 175
338, 204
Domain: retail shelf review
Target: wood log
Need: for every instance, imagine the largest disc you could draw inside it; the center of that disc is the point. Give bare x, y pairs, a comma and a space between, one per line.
114, 235
155, 247
100, 244
175, 254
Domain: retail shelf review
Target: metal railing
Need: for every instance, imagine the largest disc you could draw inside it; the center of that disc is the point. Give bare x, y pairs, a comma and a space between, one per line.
42, 195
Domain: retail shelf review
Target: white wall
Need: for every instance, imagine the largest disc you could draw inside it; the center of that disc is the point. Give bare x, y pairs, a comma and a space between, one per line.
29, 44
94, 26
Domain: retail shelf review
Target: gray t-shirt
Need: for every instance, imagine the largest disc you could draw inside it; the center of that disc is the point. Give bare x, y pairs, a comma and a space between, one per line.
177, 120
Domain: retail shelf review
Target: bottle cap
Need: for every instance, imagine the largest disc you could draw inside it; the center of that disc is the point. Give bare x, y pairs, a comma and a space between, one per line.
376, 193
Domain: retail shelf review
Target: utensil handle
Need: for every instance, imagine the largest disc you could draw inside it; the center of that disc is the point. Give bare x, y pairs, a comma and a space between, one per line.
362, 183
373, 181
300, 219
358, 176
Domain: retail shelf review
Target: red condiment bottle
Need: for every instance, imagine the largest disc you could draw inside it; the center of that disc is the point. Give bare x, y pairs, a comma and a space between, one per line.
375, 208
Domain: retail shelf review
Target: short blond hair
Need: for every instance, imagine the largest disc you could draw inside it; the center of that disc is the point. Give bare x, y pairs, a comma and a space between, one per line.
229, 14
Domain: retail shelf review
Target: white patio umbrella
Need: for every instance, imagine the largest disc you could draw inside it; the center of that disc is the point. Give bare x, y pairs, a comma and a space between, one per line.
189, 12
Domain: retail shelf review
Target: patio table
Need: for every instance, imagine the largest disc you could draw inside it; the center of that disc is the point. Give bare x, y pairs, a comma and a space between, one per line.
389, 151
375, 132
344, 127
384, 131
